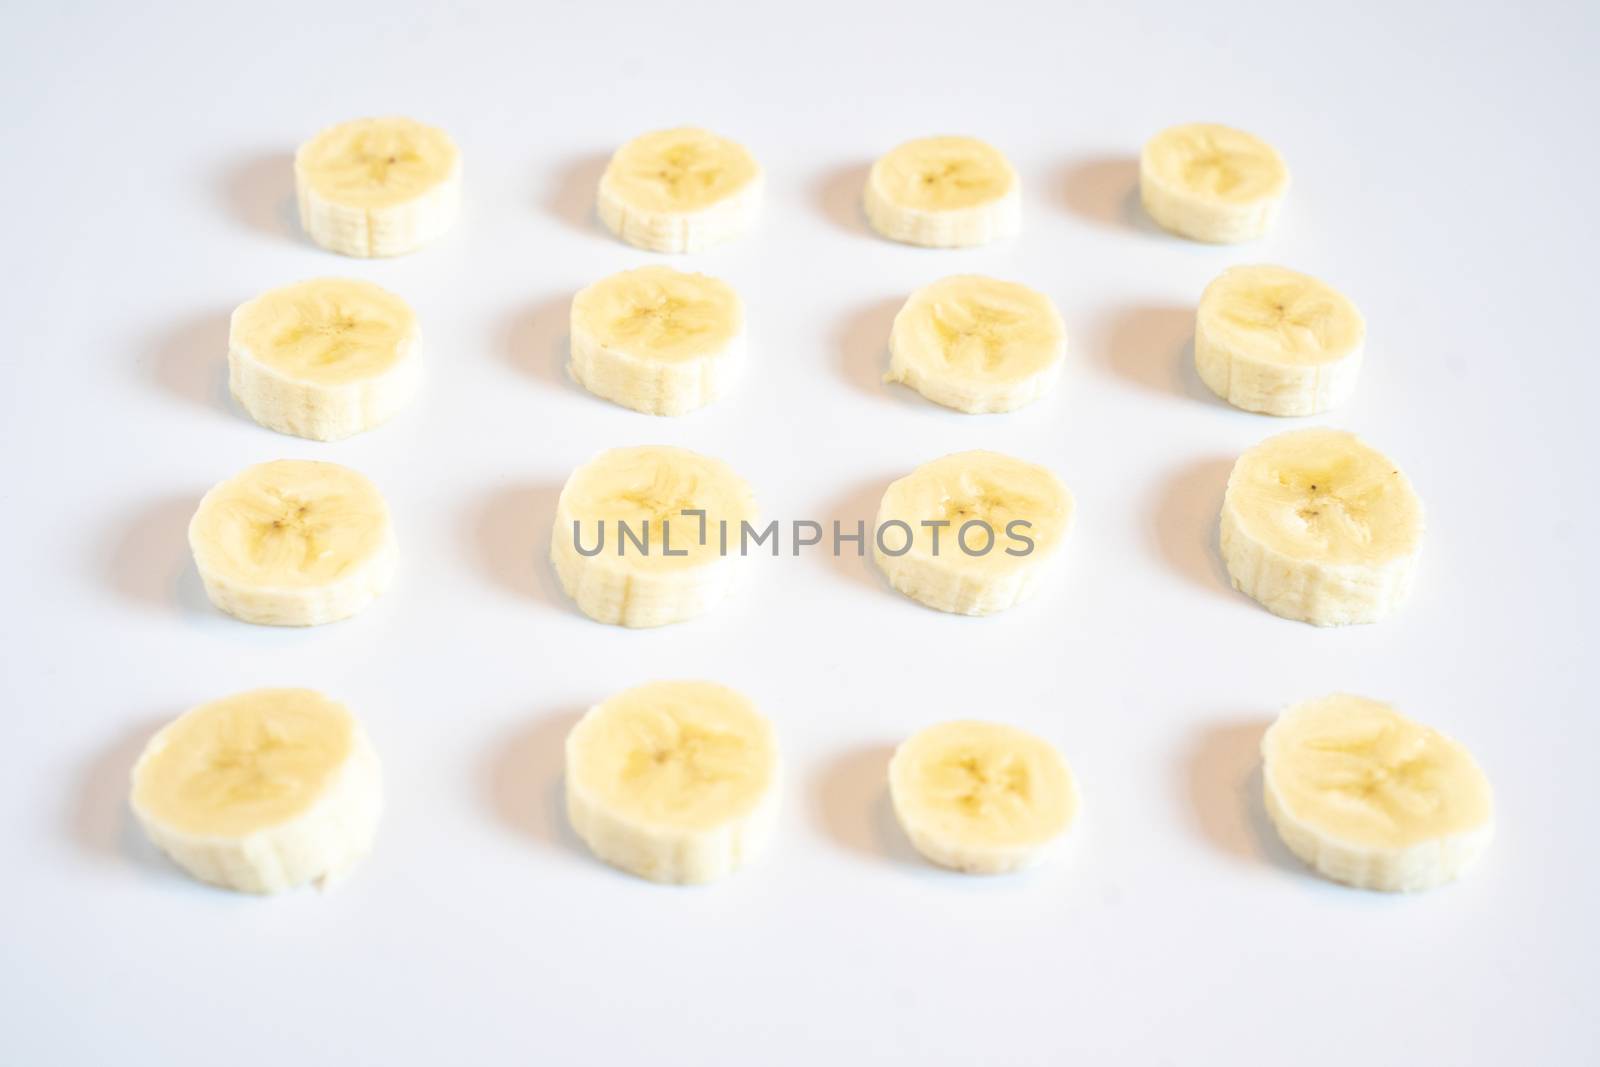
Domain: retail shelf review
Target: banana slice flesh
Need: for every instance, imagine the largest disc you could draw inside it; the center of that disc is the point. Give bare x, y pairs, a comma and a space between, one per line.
626, 552
977, 344
324, 359
657, 340
1320, 527
293, 543
1212, 183
674, 781
982, 797
680, 190
378, 186
262, 791
944, 192
1275, 341
972, 533
1370, 798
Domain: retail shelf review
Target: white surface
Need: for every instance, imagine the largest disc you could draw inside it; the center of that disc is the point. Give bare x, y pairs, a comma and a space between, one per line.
1444, 165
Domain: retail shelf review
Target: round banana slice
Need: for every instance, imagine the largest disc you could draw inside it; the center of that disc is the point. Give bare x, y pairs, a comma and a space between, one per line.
981, 797
1212, 183
378, 187
1320, 527
944, 192
1372, 799
651, 535
293, 543
324, 359
681, 190
674, 781
261, 792
977, 344
1275, 341
657, 340
971, 533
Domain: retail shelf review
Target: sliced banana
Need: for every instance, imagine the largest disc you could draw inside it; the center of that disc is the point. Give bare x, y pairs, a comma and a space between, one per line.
944, 192
629, 545
261, 792
378, 187
324, 359
1212, 183
1321, 527
1370, 798
971, 533
657, 340
982, 797
674, 781
1275, 341
293, 543
680, 190
977, 344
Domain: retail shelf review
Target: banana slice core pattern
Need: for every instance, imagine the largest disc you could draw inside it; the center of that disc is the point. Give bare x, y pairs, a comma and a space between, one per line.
377, 162
679, 170
329, 331
657, 313
943, 174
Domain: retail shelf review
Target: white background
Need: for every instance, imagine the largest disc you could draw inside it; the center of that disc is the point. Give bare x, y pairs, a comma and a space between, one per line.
1444, 163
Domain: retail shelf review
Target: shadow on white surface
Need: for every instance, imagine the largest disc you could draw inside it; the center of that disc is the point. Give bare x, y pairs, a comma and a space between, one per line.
1106, 191
260, 194
149, 562
100, 821
838, 194
1184, 524
525, 781
191, 361
1224, 779
538, 343
510, 534
862, 345
860, 505
852, 798
1153, 347
572, 194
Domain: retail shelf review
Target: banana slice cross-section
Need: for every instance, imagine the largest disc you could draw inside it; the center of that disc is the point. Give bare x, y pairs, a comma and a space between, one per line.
657, 340
261, 792
293, 543
1320, 527
1278, 342
977, 344
944, 192
650, 535
972, 533
680, 190
1212, 183
1370, 798
674, 781
378, 187
981, 797
324, 359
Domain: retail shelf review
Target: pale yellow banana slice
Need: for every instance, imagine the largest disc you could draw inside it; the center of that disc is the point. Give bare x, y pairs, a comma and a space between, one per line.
944, 192
262, 791
293, 543
630, 549
674, 781
1275, 341
1319, 526
1370, 798
324, 359
378, 187
982, 797
680, 190
977, 344
972, 533
657, 340
1212, 183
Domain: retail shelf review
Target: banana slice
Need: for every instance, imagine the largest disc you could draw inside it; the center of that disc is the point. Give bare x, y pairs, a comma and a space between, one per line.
261, 792
981, 797
681, 190
1370, 798
657, 340
625, 549
1212, 183
944, 192
972, 533
293, 543
324, 359
1320, 527
1276, 341
674, 781
977, 345
378, 187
